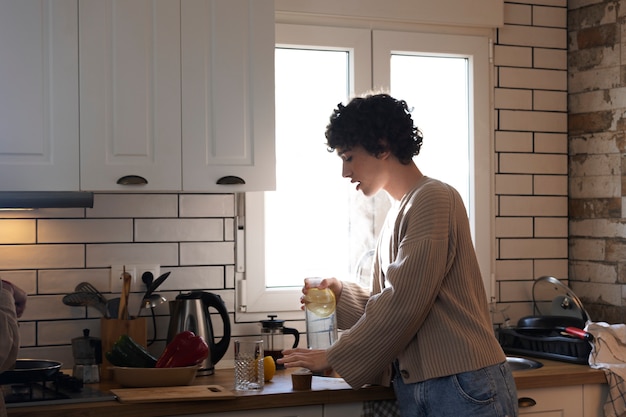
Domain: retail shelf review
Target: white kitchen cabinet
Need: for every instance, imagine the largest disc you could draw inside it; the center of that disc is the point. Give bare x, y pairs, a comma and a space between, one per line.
570, 401
306, 411
343, 410
130, 122
39, 139
179, 93
228, 94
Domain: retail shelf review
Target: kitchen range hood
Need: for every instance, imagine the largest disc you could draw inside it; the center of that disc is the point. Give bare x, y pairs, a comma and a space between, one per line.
45, 199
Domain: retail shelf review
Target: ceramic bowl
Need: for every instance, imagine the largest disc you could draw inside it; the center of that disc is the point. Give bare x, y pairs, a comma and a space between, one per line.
153, 377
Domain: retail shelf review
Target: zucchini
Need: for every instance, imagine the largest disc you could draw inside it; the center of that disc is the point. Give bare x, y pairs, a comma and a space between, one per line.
126, 352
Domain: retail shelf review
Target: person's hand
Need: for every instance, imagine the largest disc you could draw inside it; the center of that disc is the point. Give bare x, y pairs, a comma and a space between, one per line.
334, 284
19, 295
312, 359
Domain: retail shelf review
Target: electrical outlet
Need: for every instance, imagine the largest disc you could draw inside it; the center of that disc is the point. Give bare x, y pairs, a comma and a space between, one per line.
116, 277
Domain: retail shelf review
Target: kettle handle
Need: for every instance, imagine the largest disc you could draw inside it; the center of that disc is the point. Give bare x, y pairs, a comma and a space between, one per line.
295, 333
217, 349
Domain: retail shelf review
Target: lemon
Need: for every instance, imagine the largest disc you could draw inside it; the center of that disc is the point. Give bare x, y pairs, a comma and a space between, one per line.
320, 302
269, 368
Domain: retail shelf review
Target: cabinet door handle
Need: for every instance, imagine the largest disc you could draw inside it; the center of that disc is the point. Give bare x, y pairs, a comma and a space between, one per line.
132, 180
525, 402
230, 180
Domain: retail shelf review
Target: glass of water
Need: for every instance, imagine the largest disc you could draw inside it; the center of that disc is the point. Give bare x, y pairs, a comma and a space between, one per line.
249, 373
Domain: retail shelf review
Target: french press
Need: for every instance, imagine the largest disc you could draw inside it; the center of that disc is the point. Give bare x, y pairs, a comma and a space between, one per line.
273, 334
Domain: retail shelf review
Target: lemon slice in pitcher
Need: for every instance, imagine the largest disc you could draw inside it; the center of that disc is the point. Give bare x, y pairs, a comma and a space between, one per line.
320, 302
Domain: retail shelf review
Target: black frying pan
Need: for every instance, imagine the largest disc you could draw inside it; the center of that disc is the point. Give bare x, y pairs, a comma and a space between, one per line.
542, 324
30, 370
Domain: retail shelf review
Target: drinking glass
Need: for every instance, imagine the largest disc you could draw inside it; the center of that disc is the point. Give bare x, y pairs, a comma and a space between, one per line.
249, 365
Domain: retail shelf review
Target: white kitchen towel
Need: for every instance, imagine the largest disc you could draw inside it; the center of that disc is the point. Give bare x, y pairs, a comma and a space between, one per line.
609, 354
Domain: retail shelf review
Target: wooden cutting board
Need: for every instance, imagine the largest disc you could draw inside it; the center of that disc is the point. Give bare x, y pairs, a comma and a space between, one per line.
179, 393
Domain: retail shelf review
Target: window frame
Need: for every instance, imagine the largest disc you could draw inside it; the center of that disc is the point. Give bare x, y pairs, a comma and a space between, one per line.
371, 70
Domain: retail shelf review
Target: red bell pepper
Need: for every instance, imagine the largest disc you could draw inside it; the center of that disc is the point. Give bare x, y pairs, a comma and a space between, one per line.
185, 349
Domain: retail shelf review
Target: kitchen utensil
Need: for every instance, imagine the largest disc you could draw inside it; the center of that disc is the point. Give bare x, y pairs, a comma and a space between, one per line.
538, 325
87, 352
85, 299
165, 394
190, 311
112, 307
154, 377
273, 334
122, 312
551, 297
149, 299
87, 287
30, 370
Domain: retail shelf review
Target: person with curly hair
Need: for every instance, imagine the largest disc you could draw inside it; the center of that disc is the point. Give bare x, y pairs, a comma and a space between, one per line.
12, 305
424, 326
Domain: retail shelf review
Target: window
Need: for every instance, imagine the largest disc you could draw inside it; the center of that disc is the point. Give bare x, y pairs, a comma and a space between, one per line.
316, 224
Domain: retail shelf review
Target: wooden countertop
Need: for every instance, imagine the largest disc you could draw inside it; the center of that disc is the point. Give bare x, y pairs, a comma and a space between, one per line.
558, 374
279, 393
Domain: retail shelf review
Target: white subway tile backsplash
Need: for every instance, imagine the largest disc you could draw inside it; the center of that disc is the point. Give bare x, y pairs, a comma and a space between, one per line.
550, 16
516, 291
105, 255
533, 120
41, 256
514, 227
533, 248
550, 100
517, 14
533, 163
513, 56
550, 226
550, 142
63, 281
25, 279
514, 141
550, 184
557, 268
514, 269
134, 205
514, 184
62, 332
178, 230
194, 278
28, 333
533, 206
550, 58
509, 98
211, 253
50, 307
18, 231
207, 205
532, 36
541, 79
84, 230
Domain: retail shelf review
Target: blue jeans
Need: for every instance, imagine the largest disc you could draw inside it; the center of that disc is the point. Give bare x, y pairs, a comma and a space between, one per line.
487, 392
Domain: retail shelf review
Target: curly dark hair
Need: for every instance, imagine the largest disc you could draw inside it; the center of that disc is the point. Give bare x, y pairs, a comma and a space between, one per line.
377, 122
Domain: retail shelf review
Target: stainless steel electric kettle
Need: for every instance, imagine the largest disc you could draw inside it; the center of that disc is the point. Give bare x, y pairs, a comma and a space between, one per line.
190, 311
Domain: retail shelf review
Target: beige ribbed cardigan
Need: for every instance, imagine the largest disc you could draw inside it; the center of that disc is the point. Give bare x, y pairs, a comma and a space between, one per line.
432, 316
9, 336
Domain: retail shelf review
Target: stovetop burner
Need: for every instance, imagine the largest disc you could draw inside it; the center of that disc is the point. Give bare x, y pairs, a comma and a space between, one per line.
58, 389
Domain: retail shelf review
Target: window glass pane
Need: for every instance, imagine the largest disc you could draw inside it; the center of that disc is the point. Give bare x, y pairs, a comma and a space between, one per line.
436, 88
306, 217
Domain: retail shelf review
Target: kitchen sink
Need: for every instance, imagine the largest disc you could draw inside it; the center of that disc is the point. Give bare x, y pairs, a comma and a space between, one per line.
522, 364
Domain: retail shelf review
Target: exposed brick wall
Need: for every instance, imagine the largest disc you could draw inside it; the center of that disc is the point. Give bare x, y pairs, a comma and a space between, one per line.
597, 105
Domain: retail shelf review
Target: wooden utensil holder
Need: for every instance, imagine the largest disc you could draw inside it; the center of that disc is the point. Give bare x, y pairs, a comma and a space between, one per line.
110, 332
